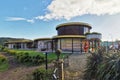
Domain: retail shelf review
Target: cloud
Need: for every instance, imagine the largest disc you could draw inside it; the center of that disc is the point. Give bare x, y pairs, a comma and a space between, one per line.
19, 19
30, 20
67, 9
14, 19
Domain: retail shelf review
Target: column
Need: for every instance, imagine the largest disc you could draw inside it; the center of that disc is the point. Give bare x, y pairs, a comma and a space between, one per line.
72, 45
22, 46
25, 46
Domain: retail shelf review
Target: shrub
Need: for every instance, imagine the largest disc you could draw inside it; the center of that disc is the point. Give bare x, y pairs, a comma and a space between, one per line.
93, 62
42, 74
1, 48
25, 58
110, 68
5, 49
105, 67
2, 59
3, 63
36, 60
12, 52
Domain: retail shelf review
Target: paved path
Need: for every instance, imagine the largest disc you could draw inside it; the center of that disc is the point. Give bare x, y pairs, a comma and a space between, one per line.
76, 68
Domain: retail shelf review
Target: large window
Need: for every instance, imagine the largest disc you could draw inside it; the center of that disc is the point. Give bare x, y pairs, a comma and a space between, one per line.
76, 45
66, 44
72, 30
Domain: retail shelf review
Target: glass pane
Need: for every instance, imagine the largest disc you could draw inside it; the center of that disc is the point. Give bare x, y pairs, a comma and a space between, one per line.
66, 44
76, 45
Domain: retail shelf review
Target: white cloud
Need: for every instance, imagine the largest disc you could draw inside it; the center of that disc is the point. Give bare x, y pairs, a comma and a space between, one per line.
67, 9
31, 21
19, 19
14, 19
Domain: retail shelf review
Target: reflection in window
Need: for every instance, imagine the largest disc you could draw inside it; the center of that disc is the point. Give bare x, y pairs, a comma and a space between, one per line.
66, 44
76, 45
86, 30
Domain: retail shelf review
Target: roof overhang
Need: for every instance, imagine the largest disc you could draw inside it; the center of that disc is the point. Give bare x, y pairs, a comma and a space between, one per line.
69, 36
19, 41
40, 39
74, 23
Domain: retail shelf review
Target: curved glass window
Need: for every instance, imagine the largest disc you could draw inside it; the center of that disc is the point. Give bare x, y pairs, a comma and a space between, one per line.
72, 30
66, 44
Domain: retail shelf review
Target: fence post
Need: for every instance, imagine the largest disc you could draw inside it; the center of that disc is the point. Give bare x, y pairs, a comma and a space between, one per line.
59, 65
61, 70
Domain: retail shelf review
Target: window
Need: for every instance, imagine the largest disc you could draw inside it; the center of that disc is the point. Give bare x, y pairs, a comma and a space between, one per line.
86, 30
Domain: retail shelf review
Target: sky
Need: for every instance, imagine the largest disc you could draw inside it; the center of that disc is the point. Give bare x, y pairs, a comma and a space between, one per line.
33, 19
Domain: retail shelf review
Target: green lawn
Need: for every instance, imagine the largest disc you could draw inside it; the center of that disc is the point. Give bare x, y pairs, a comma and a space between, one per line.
4, 66
3, 63
51, 56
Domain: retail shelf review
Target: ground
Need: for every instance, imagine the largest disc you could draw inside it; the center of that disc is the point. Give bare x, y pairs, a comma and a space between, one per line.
16, 71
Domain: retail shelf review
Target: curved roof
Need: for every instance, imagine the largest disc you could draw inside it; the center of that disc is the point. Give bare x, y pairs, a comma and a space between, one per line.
73, 23
38, 39
70, 36
19, 41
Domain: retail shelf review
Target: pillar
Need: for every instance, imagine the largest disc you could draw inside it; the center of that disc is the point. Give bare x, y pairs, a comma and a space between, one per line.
22, 46
72, 46
25, 46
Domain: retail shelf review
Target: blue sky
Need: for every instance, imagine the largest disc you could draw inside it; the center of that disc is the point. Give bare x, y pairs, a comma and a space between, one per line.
33, 19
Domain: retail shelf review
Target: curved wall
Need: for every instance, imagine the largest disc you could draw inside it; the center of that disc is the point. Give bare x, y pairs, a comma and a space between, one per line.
73, 30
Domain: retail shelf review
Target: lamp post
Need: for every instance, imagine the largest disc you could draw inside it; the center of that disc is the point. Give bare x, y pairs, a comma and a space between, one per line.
58, 52
46, 61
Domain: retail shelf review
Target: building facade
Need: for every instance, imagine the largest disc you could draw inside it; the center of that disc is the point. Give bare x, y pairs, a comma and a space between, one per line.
43, 44
20, 44
71, 37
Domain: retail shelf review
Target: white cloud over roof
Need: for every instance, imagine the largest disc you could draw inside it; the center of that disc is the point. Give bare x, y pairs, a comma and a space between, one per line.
67, 9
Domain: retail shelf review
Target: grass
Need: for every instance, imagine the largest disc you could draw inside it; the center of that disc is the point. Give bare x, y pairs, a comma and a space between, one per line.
51, 56
3, 63
4, 66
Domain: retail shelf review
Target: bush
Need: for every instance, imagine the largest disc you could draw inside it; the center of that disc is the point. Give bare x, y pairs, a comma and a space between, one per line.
36, 60
1, 48
25, 58
3, 63
3, 59
5, 49
42, 74
105, 67
93, 62
110, 68
12, 52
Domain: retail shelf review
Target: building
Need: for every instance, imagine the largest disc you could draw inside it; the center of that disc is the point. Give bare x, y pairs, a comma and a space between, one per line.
19, 44
94, 40
43, 44
71, 37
